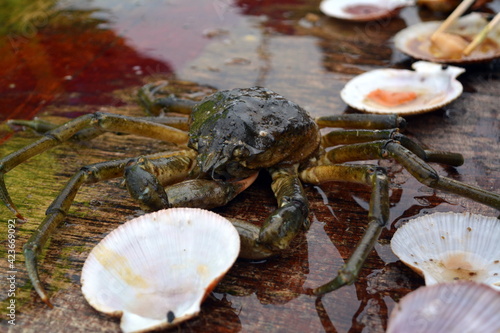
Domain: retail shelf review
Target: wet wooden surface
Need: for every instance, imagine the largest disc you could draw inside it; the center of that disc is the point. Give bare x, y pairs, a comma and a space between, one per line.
288, 47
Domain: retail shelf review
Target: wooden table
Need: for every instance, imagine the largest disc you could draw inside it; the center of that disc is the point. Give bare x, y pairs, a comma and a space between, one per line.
304, 56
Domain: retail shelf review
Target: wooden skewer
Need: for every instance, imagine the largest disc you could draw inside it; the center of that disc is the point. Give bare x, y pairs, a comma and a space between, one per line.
481, 36
464, 5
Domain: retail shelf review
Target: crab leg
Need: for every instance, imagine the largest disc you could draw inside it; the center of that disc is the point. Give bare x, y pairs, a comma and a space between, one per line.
57, 211
39, 126
281, 227
154, 106
425, 174
368, 121
103, 121
42, 126
344, 137
378, 214
422, 171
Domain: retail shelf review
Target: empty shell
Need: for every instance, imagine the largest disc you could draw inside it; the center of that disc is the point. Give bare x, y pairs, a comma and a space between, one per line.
154, 271
463, 306
445, 247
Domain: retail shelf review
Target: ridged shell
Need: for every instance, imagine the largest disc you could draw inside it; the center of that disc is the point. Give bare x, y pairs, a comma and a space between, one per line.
155, 270
434, 85
458, 307
415, 40
363, 10
446, 247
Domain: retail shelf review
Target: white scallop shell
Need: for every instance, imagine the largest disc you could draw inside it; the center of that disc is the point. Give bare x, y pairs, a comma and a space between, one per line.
415, 40
434, 84
445, 247
458, 307
155, 270
363, 10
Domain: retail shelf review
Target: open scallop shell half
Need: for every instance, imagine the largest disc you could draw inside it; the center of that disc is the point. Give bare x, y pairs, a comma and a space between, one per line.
429, 87
155, 270
363, 10
458, 307
445, 247
415, 41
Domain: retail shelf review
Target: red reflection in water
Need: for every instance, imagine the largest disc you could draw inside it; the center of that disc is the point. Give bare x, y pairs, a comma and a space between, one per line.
70, 66
82, 62
277, 12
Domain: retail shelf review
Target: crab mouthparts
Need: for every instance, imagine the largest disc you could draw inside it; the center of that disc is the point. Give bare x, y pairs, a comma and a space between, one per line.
212, 161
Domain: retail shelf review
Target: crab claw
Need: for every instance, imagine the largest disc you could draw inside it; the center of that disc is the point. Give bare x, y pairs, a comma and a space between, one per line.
145, 188
204, 193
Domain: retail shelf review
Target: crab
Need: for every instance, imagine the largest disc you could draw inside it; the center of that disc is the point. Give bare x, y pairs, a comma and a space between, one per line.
233, 135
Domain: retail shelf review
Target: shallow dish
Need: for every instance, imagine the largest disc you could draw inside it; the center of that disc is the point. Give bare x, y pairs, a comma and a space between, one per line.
415, 41
429, 87
363, 10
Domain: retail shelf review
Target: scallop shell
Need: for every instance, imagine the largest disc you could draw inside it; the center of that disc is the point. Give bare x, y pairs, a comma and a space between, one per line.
363, 10
155, 270
434, 86
446, 247
415, 40
463, 306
